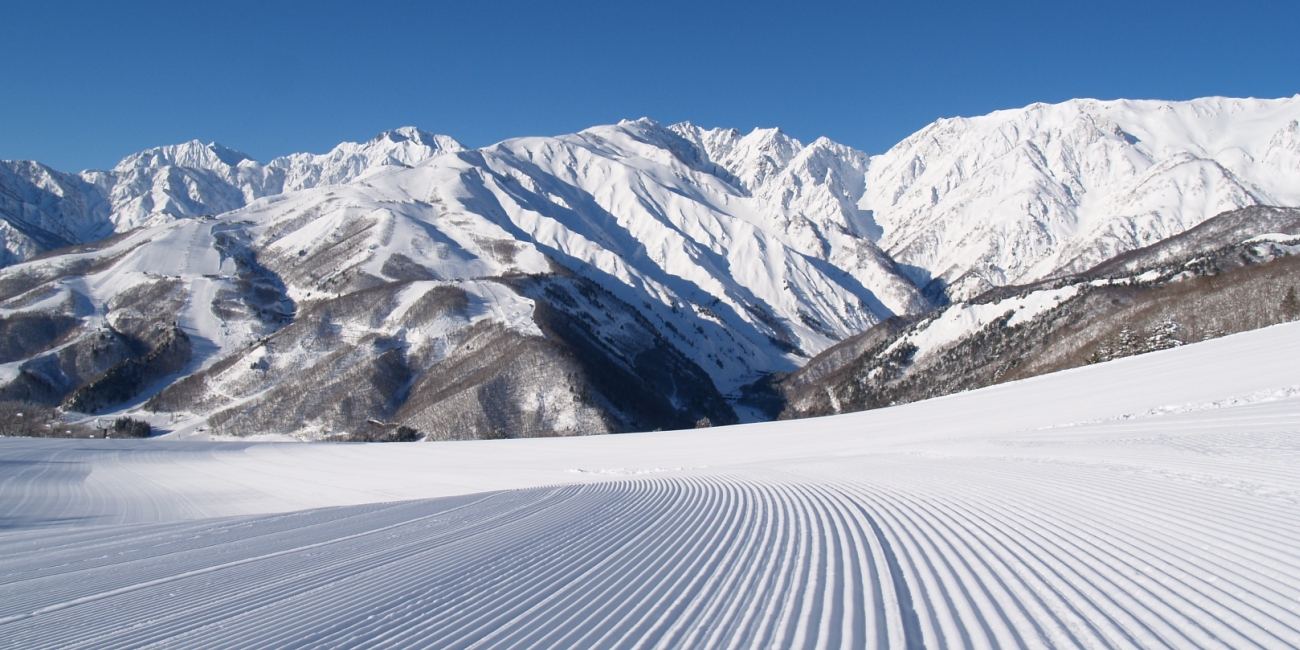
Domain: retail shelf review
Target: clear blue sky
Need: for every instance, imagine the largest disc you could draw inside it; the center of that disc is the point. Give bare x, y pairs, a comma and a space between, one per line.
84, 84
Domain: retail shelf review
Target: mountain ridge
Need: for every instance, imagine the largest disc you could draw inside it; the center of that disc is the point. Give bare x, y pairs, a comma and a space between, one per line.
1234, 272
735, 256
42, 208
1019, 194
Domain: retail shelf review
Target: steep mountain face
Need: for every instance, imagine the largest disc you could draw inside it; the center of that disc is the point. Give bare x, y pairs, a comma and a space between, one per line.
666, 224
963, 205
1234, 272
526, 357
1019, 195
214, 333
42, 209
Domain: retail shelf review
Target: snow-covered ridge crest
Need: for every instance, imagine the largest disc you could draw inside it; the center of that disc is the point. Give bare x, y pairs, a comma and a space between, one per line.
398, 147
44, 208
970, 203
193, 178
194, 154
732, 255
1017, 195
401, 147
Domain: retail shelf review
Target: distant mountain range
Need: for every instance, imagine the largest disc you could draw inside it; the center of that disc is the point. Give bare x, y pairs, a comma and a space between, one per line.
627, 277
43, 209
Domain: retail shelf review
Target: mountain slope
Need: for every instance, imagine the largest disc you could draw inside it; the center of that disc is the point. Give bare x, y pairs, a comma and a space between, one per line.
1144, 502
709, 260
615, 279
43, 209
1235, 272
626, 206
1018, 195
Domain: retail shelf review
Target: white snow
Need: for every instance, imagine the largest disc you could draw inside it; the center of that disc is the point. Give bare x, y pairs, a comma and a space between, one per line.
791, 247
190, 179
1148, 501
636, 208
1149, 276
963, 319
1013, 196
182, 181
1274, 238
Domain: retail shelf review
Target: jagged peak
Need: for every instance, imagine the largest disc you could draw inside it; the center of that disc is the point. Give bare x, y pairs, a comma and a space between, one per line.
403, 133
654, 133
769, 133
691, 126
227, 155
415, 134
406, 145
641, 121
683, 144
194, 154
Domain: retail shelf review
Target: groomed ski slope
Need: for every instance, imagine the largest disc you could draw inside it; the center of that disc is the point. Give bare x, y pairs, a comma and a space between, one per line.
1152, 501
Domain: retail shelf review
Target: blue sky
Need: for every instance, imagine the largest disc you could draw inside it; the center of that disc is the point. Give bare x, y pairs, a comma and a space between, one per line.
84, 84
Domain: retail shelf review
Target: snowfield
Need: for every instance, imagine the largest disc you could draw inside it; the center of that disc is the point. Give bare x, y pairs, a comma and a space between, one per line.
1152, 501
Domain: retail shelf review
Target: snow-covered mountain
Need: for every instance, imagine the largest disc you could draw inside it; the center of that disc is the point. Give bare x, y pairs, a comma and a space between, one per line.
42, 209
1232, 273
622, 277
1008, 197
740, 282
636, 248
1018, 195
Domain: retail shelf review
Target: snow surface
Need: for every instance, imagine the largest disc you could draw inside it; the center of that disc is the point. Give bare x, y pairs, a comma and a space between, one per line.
1152, 501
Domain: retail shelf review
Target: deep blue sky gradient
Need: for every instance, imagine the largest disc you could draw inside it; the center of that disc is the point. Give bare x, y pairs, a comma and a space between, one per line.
84, 84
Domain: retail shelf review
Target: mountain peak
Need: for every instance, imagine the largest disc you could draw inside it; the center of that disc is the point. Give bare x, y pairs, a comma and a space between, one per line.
641, 121
226, 154
401, 134
435, 141
193, 154
975, 199
406, 145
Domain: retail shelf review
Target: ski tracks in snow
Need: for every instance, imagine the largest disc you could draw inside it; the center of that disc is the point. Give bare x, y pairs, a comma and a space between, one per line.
977, 553
959, 522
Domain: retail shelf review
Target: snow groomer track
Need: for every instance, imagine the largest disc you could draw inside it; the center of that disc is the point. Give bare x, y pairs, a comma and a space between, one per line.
1148, 502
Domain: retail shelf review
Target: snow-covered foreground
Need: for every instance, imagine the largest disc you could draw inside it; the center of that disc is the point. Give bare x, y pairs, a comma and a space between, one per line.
1151, 501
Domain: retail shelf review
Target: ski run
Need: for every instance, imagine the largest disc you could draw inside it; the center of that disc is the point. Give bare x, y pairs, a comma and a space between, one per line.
1150, 501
